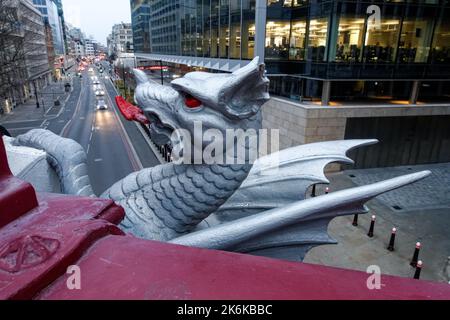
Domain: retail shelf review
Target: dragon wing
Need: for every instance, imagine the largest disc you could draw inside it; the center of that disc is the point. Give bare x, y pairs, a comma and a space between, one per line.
289, 232
279, 180
282, 178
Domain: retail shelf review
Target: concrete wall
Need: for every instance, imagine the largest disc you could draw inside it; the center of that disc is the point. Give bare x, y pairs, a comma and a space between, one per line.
306, 123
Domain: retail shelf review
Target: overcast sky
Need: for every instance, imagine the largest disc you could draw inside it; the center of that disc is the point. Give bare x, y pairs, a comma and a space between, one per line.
96, 17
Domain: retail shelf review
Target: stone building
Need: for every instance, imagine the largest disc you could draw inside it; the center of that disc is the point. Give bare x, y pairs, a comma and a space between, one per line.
121, 39
31, 72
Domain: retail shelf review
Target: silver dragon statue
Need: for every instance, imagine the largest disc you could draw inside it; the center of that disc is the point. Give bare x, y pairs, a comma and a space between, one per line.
257, 208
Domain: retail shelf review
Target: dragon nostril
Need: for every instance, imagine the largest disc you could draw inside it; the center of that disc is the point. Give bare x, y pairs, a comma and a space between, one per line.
192, 102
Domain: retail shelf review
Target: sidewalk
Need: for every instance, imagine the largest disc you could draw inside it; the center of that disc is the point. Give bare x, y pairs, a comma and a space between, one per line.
420, 212
29, 112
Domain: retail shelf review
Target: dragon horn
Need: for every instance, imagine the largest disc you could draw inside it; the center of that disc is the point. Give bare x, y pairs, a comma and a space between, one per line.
140, 76
229, 235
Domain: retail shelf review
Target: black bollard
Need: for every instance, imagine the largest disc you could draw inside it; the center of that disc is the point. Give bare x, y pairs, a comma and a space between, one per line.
392, 241
372, 227
313, 195
418, 270
415, 258
355, 220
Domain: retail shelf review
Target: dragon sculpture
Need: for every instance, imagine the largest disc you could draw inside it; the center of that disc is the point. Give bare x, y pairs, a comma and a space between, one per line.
258, 208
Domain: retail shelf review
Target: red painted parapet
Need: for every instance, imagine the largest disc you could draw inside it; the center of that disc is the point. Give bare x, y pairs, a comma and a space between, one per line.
16, 197
39, 246
131, 112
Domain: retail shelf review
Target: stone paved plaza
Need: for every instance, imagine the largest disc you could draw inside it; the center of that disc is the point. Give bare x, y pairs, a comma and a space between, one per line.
430, 193
424, 217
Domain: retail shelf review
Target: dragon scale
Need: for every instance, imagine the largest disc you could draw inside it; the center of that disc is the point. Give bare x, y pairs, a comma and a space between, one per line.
170, 200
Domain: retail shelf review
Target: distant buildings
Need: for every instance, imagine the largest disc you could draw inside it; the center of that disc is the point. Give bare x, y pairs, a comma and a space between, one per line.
50, 13
120, 40
89, 47
75, 41
43, 47
30, 70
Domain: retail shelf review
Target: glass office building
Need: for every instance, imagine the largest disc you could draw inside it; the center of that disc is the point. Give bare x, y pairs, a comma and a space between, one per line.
49, 11
165, 27
314, 49
355, 54
218, 28
140, 20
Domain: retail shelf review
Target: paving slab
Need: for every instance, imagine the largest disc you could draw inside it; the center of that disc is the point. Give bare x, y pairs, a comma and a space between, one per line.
425, 217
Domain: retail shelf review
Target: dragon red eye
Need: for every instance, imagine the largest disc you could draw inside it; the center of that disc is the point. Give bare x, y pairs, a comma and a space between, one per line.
191, 102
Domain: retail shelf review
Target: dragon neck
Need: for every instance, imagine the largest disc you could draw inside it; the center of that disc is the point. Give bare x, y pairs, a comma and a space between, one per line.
170, 200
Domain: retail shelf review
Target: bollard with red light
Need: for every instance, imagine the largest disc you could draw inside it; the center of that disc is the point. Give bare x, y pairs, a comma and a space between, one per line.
418, 270
391, 246
415, 258
327, 190
372, 226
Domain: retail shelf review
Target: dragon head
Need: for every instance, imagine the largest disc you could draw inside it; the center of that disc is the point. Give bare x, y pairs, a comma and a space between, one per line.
218, 101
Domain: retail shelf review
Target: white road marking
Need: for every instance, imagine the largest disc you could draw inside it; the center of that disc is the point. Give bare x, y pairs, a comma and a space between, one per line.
127, 137
98, 160
77, 107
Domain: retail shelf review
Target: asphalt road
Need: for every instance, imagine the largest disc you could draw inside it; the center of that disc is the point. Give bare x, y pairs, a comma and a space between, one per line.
110, 153
114, 146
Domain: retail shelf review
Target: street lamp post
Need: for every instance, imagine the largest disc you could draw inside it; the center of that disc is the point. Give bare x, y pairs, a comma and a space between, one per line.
162, 73
123, 78
36, 95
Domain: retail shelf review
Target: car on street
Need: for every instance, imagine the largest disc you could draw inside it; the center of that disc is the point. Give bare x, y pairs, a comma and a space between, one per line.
101, 105
99, 92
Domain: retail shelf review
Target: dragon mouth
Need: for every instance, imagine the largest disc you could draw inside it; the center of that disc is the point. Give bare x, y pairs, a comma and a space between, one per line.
160, 132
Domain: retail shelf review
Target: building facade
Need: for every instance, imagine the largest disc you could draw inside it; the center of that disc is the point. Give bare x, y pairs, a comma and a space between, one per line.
75, 41
140, 21
50, 45
49, 10
79, 49
31, 72
59, 5
121, 39
89, 47
329, 62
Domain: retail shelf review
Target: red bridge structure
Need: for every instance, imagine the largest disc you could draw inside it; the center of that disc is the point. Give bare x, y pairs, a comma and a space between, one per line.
43, 235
